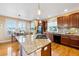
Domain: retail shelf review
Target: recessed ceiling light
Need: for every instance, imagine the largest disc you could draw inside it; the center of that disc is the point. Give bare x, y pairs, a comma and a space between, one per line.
66, 10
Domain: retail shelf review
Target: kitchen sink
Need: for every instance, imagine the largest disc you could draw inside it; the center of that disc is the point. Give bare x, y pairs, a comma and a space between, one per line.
41, 36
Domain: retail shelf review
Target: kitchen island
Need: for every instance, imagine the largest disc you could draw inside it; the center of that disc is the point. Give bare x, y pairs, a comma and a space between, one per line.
28, 45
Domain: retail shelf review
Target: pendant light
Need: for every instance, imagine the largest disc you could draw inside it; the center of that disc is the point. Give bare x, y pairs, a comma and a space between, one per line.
39, 11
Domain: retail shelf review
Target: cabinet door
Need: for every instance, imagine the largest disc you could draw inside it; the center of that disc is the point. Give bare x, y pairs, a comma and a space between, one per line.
75, 15
77, 19
66, 21
70, 20
73, 19
44, 25
60, 21
74, 41
65, 40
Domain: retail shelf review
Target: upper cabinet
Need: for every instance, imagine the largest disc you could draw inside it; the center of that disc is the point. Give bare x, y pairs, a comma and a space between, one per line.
66, 21
71, 20
60, 21
63, 21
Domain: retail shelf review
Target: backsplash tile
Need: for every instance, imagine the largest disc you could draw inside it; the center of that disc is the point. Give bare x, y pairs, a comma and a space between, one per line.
68, 30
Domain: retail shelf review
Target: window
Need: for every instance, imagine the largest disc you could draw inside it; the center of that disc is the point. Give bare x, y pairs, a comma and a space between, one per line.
52, 27
22, 26
11, 25
32, 26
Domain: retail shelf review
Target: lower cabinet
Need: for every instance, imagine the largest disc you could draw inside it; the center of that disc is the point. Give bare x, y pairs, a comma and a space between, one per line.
50, 36
65, 40
70, 41
74, 41
46, 50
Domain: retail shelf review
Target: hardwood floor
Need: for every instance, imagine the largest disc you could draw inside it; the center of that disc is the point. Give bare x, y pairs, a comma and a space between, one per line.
61, 50
57, 49
7, 48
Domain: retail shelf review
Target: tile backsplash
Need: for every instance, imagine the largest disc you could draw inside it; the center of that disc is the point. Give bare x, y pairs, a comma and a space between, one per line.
68, 30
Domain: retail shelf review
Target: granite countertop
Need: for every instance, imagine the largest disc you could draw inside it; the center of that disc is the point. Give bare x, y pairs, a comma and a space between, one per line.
30, 44
74, 34
71, 34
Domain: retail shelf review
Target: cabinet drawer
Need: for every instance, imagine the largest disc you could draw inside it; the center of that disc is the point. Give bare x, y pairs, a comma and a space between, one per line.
74, 42
65, 41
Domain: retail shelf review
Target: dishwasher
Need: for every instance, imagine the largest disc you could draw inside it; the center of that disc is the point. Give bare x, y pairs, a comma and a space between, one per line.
57, 38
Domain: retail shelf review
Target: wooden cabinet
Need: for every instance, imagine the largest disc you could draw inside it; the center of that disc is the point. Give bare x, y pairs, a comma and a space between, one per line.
65, 40
60, 21
63, 21
71, 20
74, 41
44, 25
77, 17
66, 21
70, 40
74, 20
77, 20
46, 50
50, 36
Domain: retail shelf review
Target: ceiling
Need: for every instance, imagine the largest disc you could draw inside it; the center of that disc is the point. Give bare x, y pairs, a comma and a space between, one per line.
28, 11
